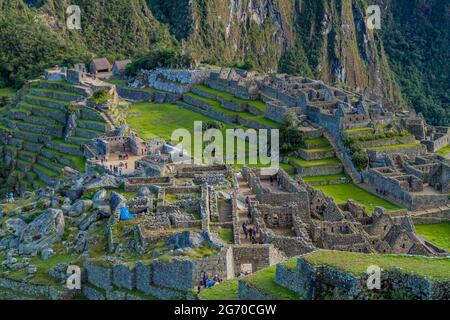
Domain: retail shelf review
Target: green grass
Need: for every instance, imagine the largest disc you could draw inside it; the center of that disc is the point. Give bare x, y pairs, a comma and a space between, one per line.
258, 104
358, 130
77, 161
357, 263
322, 149
46, 171
31, 96
59, 91
226, 234
264, 281
152, 120
437, 234
444, 151
395, 146
341, 193
317, 141
314, 163
324, 178
227, 290
216, 106
7, 92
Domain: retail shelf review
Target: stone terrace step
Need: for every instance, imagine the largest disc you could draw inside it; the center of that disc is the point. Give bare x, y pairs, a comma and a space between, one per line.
87, 133
78, 140
56, 94
65, 86
53, 130
42, 111
47, 102
76, 162
46, 175
64, 147
321, 167
28, 156
93, 125
50, 164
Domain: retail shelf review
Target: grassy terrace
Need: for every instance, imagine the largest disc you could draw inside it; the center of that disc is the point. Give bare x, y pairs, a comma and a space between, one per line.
359, 130
357, 263
264, 281
216, 106
444, 151
61, 91
314, 163
261, 106
341, 193
437, 234
7, 92
227, 290
66, 103
395, 146
324, 178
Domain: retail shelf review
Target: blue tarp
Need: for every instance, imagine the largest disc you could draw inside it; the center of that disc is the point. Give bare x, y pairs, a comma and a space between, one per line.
125, 215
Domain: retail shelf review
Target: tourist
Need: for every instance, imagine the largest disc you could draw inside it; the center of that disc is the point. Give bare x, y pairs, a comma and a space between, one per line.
205, 279
247, 200
254, 232
271, 180
244, 228
126, 165
250, 228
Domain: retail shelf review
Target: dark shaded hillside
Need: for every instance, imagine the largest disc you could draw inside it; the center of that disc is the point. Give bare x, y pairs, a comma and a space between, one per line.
417, 43
405, 63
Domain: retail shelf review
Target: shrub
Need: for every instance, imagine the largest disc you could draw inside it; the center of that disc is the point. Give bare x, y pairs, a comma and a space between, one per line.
360, 160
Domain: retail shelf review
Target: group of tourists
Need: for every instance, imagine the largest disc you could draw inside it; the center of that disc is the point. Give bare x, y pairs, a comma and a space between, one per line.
207, 282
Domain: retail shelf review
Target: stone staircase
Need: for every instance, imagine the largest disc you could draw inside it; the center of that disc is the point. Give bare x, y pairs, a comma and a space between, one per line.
317, 163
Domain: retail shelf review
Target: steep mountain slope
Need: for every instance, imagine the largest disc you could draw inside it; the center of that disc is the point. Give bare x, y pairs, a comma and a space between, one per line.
327, 39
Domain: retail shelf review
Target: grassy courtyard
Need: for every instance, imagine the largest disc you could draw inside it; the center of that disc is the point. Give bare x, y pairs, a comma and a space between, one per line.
437, 234
151, 120
341, 193
357, 263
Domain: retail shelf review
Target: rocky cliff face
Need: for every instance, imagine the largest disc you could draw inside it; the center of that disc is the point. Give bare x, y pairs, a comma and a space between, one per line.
319, 38
325, 39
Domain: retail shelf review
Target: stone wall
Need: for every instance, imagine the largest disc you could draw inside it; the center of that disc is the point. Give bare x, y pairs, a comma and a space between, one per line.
319, 282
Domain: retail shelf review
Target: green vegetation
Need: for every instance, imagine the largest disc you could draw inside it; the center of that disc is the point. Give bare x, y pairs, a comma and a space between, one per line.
438, 234
357, 263
227, 290
341, 193
264, 281
261, 106
395, 146
226, 234
101, 96
314, 163
159, 58
325, 178
445, 151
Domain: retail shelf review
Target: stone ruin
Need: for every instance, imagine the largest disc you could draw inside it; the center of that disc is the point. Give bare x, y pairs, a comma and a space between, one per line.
295, 213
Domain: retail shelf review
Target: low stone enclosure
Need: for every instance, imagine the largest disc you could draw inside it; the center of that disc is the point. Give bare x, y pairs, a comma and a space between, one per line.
297, 219
416, 185
170, 279
314, 282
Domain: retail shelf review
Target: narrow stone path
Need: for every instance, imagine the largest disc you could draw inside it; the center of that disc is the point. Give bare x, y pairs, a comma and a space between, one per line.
242, 208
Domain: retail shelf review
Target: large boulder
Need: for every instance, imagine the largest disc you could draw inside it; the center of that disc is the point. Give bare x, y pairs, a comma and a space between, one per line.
99, 198
116, 201
186, 239
105, 181
80, 207
143, 192
15, 226
45, 230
